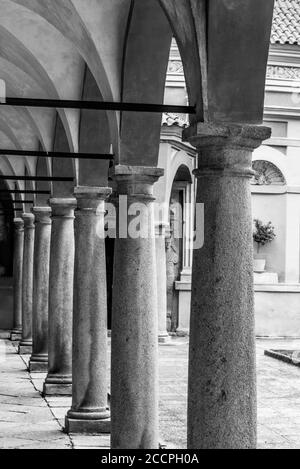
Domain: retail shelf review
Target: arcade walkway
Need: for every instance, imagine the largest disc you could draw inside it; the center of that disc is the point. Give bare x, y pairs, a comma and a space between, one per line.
29, 421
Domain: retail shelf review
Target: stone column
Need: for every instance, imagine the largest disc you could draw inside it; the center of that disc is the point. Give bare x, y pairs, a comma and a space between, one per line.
161, 277
222, 377
134, 368
59, 377
25, 346
16, 333
89, 412
39, 358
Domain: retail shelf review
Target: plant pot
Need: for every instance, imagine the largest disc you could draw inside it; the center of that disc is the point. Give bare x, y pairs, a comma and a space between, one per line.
259, 265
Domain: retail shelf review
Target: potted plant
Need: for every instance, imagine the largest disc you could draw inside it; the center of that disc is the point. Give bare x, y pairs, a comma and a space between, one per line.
262, 234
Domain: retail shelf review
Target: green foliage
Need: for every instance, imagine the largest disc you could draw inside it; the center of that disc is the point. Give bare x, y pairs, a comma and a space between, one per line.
263, 234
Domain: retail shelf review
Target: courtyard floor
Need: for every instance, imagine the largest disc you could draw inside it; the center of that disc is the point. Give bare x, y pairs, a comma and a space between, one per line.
29, 421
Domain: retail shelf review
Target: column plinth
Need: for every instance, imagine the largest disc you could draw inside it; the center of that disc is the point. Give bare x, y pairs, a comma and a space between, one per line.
89, 412
134, 370
161, 272
61, 274
39, 358
16, 332
25, 345
222, 377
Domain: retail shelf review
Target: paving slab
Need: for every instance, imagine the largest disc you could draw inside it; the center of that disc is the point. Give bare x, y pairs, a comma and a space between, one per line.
27, 420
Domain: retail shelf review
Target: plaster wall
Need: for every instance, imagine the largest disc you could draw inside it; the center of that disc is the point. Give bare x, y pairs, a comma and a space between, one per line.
277, 312
272, 207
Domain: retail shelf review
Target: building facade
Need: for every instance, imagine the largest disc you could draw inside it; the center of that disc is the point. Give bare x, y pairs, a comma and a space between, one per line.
275, 189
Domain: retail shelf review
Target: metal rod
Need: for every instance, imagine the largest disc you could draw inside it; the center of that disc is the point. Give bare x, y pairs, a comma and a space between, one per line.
16, 201
4, 210
8, 191
60, 154
98, 105
21, 201
36, 178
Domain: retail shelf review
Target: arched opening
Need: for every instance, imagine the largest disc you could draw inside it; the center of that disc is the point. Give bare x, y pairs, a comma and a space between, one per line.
176, 241
6, 257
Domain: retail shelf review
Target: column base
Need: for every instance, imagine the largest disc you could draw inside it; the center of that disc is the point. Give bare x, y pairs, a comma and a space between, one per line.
87, 425
38, 364
25, 348
15, 336
57, 386
163, 338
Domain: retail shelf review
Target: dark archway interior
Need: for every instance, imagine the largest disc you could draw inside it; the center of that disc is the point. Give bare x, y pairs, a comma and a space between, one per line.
6, 232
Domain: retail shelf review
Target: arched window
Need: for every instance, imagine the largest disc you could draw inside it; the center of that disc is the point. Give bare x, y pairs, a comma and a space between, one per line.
267, 173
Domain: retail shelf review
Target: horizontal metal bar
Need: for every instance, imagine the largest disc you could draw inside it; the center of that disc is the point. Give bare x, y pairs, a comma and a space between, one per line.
36, 178
16, 201
98, 105
22, 201
58, 154
5, 210
8, 191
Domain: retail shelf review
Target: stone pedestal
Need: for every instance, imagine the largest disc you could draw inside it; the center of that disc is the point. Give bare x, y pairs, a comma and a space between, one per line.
16, 332
222, 378
265, 278
161, 276
89, 412
134, 369
25, 345
59, 377
39, 358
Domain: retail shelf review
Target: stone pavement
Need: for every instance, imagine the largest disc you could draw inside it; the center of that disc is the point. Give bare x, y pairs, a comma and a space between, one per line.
29, 421
278, 395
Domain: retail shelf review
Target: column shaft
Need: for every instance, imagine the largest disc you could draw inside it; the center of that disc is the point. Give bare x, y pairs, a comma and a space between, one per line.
25, 346
89, 413
134, 376
16, 333
59, 377
39, 357
161, 276
222, 379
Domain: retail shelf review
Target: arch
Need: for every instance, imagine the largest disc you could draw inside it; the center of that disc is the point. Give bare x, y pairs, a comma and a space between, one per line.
29, 186
94, 137
146, 57
98, 33
274, 156
7, 130
14, 51
43, 168
266, 173
63, 167
180, 162
193, 53
228, 86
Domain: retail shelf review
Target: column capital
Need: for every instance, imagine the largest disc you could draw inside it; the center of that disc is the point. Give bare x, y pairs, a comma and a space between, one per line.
28, 219
42, 215
89, 197
136, 180
202, 135
225, 150
63, 207
19, 224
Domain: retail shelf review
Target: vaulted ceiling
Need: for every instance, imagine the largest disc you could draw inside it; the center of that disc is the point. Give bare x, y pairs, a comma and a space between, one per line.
118, 50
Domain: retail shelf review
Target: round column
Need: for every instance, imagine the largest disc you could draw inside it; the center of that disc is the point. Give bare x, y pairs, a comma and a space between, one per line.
222, 377
59, 377
134, 368
39, 358
89, 412
25, 345
161, 276
16, 332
